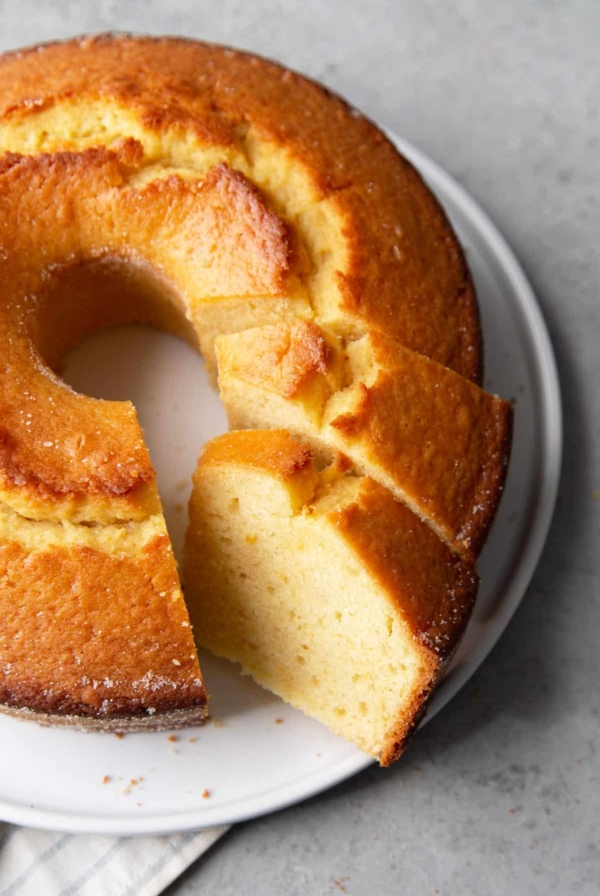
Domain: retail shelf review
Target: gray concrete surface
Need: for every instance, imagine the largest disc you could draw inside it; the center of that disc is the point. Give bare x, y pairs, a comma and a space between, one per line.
498, 795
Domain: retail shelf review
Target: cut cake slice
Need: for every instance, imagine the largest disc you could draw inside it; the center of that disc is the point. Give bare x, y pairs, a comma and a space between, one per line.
95, 633
327, 590
436, 440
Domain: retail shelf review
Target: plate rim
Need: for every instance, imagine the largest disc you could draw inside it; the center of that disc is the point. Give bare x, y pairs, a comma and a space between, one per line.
524, 565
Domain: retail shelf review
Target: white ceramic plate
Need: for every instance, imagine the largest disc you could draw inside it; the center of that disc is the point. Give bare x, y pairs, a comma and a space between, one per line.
261, 755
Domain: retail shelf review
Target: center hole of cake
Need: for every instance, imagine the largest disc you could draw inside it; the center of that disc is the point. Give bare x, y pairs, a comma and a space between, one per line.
176, 406
157, 371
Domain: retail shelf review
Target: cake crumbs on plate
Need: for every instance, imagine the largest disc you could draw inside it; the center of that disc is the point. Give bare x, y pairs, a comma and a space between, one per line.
206, 794
217, 722
338, 884
172, 738
193, 740
279, 721
119, 736
106, 779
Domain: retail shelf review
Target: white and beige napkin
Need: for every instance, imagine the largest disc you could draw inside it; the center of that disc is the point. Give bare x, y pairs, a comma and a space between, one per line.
44, 863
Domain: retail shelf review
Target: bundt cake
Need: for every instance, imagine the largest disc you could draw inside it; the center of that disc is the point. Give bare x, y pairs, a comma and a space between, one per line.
246, 209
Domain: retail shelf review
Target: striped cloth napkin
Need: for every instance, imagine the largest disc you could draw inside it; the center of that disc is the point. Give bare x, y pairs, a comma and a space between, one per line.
44, 863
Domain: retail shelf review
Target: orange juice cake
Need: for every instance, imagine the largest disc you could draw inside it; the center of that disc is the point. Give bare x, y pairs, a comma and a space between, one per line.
332, 542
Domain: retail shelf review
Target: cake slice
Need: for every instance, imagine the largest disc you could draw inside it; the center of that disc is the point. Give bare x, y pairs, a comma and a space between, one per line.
327, 590
95, 633
436, 440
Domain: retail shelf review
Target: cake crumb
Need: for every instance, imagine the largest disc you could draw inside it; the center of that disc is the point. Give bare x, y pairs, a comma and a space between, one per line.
279, 721
133, 782
119, 736
179, 508
206, 794
338, 884
193, 740
138, 804
217, 722
106, 779
172, 739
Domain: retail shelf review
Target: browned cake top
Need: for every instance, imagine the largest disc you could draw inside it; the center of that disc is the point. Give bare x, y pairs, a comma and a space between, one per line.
404, 274
273, 451
95, 633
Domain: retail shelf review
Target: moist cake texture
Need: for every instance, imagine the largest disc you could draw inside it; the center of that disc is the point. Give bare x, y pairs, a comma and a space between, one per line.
326, 589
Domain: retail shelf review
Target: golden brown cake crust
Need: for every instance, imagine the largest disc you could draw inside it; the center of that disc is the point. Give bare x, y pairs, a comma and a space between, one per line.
273, 450
441, 438
89, 633
405, 273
